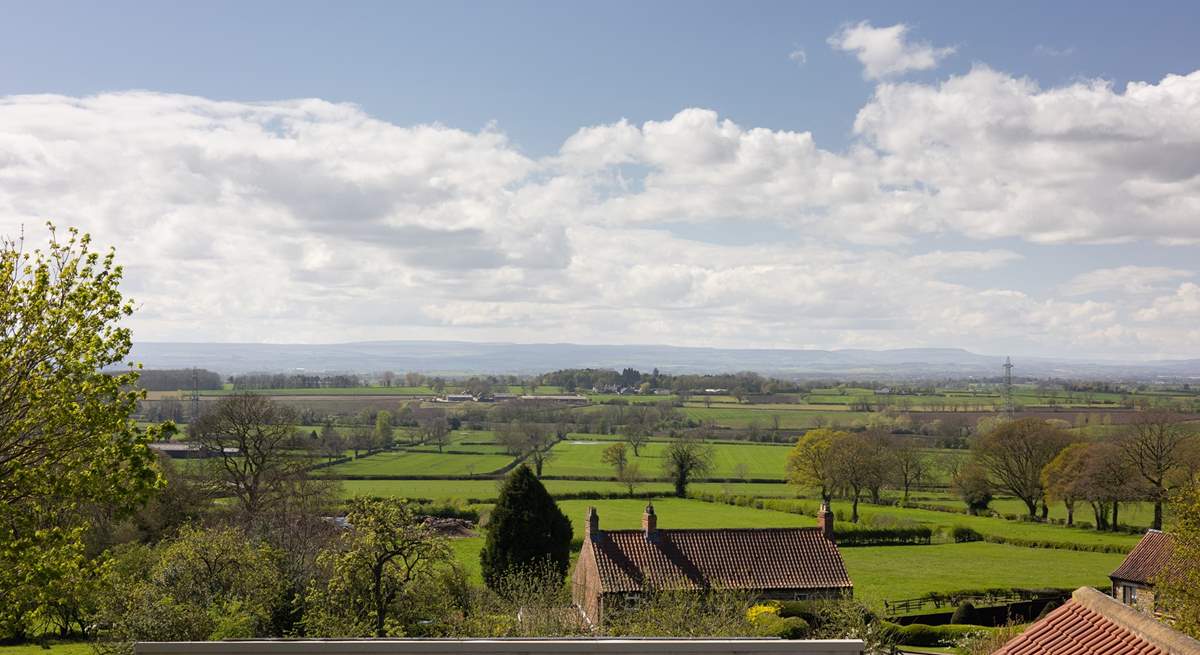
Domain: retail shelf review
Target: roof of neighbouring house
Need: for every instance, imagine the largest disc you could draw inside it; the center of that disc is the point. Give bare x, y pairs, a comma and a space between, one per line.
1091, 622
1146, 559
750, 558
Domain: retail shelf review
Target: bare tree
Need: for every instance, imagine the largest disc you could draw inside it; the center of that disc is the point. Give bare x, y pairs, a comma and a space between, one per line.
436, 431
910, 463
332, 444
253, 452
1155, 445
1014, 454
529, 440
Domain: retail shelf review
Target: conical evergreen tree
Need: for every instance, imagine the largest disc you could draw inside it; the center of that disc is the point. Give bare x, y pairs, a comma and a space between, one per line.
526, 530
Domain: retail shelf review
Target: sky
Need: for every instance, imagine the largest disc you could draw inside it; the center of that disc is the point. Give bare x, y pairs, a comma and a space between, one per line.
1015, 178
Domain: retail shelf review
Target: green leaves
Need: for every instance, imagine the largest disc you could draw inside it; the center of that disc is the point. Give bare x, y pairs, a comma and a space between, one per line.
66, 440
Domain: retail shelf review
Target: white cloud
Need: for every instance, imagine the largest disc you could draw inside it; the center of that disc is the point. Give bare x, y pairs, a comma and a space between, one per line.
311, 221
1182, 306
799, 56
886, 51
1051, 51
1124, 279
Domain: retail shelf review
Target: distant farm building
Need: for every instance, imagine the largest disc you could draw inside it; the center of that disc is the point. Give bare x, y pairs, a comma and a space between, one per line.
564, 399
615, 566
1133, 581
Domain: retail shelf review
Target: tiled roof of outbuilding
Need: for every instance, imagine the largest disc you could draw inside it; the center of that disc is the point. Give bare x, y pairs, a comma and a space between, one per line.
751, 558
1092, 623
1146, 559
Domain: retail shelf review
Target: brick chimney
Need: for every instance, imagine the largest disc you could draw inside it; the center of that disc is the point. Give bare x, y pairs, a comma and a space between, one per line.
650, 523
825, 521
591, 530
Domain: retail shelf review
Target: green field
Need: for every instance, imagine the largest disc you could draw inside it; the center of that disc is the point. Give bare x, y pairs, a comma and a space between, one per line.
900, 572
53, 648
582, 458
420, 463
486, 489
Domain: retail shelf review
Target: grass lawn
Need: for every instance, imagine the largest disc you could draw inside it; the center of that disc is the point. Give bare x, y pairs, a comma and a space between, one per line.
55, 648
416, 463
899, 572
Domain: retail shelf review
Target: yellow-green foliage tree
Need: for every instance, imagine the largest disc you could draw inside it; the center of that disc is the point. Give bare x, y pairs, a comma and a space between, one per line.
370, 576
66, 440
1178, 586
811, 461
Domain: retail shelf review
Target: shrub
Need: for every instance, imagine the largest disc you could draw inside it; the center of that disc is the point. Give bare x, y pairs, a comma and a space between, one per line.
773, 625
963, 534
964, 613
919, 634
884, 536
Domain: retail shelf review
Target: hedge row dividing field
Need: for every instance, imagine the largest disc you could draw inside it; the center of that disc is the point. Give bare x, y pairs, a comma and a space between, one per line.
1042, 534
421, 463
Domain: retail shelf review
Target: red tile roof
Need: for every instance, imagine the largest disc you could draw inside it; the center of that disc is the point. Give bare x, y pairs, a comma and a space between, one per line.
752, 558
1146, 559
1091, 623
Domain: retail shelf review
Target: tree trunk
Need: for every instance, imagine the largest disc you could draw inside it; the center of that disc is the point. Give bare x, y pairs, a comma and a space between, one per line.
1045, 510
1031, 505
1116, 524
1071, 514
854, 509
1158, 513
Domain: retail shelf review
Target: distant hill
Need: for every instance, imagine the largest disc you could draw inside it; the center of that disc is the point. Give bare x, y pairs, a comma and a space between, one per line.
456, 357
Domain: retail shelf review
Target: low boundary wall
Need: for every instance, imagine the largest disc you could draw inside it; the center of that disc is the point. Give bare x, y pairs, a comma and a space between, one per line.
504, 647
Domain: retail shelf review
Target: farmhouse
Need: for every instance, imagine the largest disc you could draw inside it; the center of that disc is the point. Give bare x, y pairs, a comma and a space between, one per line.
1133, 581
1091, 622
773, 563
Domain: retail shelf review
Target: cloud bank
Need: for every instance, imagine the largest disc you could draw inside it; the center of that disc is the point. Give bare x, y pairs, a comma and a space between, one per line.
309, 221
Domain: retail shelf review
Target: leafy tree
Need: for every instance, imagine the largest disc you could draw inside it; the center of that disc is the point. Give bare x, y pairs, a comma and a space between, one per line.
370, 573
202, 584
1156, 445
1177, 587
251, 445
1015, 453
331, 441
685, 459
66, 440
971, 484
810, 462
526, 529
385, 436
627, 472
1064, 477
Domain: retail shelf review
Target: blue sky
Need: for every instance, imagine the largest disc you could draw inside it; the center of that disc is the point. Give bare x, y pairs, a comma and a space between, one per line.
693, 173
542, 69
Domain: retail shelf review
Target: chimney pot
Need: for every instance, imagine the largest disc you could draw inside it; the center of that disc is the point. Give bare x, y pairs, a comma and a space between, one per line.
650, 523
825, 521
